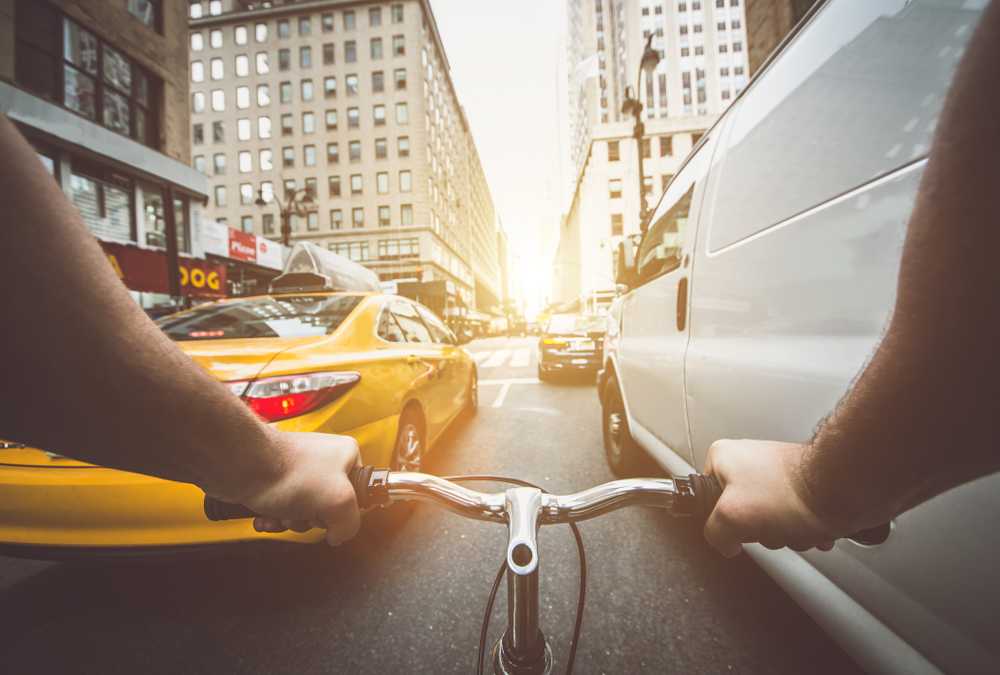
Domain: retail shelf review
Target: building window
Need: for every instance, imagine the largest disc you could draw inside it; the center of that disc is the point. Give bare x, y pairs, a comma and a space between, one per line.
218, 100
333, 186
220, 195
615, 188
382, 182
242, 65
147, 11
737, 46
333, 155
350, 51
351, 84
350, 21
353, 118
375, 48
329, 87
260, 32
197, 42
284, 29
309, 155
403, 146
284, 59
267, 223
397, 13
400, 77
219, 163
393, 249
381, 148
105, 204
263, 95
384, 216
614, 151
398, 45
305, 57
287, 126
263, 63
666, 146
308, 123
218, 132
647, 150
288, 157
378, 115
240, 35
357, 184
378, 81
93, 79
336, 219
214, 7
198, 134
243, 129
199, 164
326, 22
354, 151
305, 25
242, 98
218, 69
215, 38
405, 181
616, 224
312, 221
357, 218
245, 161
265, 160
307, 90
723, 49
402, 114
246, 194
331, 120
375, 16
406, 214
329, 54
197, 71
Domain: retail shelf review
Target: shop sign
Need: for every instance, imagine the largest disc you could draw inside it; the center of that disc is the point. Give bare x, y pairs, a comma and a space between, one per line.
269, 253
146, 270
215, 238
242, 246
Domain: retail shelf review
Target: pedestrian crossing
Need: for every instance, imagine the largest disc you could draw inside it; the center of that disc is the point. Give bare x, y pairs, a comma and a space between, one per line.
497, 358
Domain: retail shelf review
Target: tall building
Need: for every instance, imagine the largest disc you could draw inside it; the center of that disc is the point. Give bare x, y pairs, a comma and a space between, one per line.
352, 101
702, 67
99, 88
768, 22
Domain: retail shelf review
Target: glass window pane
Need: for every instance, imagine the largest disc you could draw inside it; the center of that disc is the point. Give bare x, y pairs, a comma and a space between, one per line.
117, 69
117, 112
79, 93
80, 47
152, 214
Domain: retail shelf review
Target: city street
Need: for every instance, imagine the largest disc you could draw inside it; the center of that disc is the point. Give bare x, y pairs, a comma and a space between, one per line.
409, 597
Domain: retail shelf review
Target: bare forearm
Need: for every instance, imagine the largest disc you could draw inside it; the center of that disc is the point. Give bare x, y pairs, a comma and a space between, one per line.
921, 417
87, 373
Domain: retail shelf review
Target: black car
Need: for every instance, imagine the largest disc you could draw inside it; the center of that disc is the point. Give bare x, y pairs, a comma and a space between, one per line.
570, 343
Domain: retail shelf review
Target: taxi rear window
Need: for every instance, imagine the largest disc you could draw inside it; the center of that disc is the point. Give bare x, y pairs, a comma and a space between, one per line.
262, 317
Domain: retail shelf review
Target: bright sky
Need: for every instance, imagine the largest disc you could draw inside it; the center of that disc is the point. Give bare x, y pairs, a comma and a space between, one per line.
504, 60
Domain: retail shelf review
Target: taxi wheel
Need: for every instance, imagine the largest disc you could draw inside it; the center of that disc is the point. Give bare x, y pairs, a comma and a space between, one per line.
408, 454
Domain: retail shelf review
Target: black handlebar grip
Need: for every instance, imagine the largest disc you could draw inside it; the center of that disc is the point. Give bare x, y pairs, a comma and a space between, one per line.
217, 510
707, 490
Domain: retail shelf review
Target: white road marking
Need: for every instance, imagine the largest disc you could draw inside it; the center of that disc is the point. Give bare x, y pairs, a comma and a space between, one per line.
504, 388
512, 380
520, 358
479, 356
497, 360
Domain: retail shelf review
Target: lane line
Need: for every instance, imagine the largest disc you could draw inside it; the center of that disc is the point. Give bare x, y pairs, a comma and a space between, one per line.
521, 358
504, 388
497, 359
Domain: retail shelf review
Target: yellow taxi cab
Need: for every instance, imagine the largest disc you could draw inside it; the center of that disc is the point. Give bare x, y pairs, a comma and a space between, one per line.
381, 368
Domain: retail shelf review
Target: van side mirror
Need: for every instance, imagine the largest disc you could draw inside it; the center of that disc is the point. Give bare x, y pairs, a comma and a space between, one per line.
625, 272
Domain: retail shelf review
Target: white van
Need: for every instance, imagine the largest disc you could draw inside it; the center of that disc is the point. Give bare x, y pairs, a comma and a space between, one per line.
763, 284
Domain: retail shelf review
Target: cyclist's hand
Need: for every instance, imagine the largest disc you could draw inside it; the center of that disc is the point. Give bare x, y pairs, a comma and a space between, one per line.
763, 500
313, 490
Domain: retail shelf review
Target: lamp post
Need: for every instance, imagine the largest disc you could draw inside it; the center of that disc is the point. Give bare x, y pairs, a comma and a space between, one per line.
632, 105
298, 202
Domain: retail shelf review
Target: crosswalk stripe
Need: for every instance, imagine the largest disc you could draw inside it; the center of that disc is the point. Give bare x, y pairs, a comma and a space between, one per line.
520, 358
497, 359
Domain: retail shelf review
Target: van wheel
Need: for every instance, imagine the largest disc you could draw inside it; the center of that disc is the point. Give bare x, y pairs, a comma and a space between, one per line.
624, 456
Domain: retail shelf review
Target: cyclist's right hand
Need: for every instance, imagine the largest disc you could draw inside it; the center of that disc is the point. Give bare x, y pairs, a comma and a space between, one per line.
312, 489
763, 499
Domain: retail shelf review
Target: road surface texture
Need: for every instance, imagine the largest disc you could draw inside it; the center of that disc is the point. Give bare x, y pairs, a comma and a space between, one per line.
409, 598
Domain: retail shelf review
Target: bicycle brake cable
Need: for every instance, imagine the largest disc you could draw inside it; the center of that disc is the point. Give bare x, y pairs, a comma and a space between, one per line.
581, 597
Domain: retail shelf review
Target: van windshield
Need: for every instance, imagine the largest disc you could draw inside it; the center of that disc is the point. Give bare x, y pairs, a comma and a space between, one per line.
261, 317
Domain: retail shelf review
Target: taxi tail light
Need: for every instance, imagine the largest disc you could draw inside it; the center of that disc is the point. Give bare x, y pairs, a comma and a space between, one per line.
280, 398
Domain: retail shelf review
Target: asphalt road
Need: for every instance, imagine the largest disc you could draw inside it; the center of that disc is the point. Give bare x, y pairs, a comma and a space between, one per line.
409, 598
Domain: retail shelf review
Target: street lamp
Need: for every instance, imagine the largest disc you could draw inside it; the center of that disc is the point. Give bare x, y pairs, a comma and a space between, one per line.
298, 202
633, 106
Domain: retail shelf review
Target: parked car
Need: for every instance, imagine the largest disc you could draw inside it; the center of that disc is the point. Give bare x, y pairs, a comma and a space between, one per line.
570, 343
761, 288
381, 368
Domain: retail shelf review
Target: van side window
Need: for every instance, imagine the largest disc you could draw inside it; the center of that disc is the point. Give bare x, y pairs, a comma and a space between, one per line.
856, 95
660, 251
413, 327
388, 329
